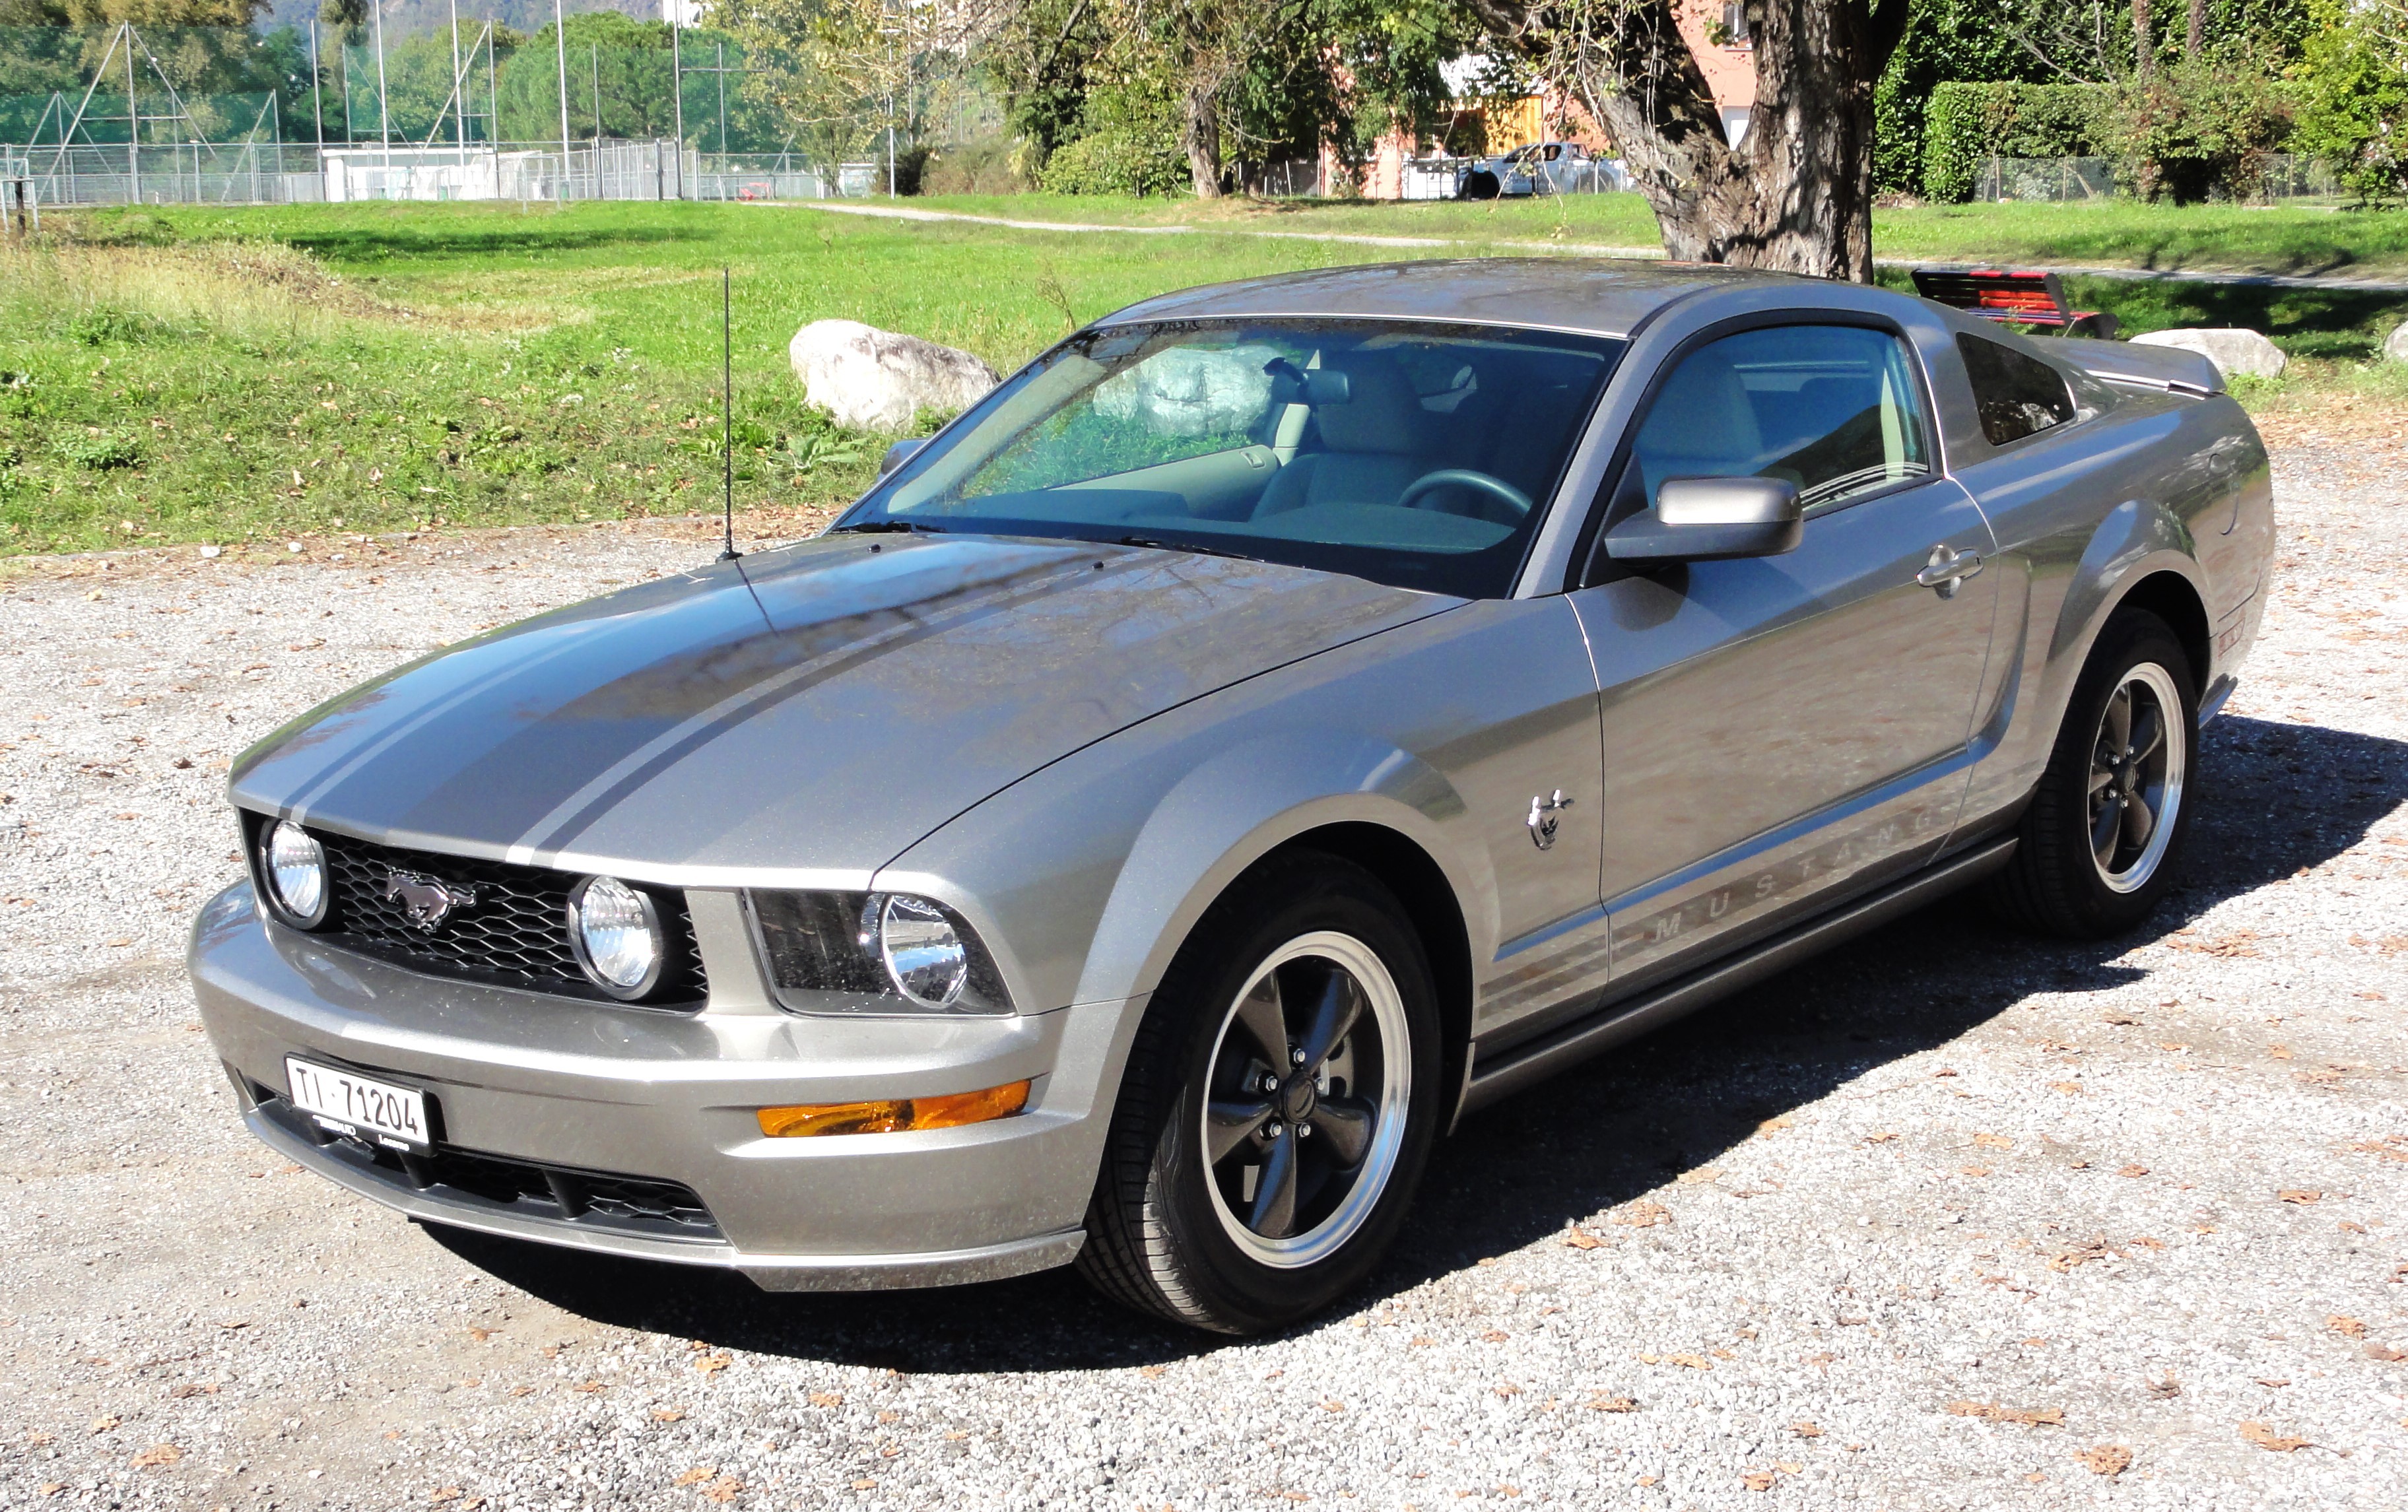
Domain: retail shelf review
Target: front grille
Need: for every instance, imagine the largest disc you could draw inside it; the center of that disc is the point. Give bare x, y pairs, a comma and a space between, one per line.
514, 935
557, 1193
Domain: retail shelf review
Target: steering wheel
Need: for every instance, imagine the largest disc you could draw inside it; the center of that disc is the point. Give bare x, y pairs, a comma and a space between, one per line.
1496, 488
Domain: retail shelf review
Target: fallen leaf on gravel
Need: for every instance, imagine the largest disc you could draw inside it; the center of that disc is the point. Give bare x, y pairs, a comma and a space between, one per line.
2105, 1459
102, 1425
1582, 1239
825, 1399
865, 1484
157, 1455
1611, 1403
2166, 1390
1882, 1138
2347, 1227
233, 1323
2268, 1440
2301, 1198
1757, 1480
1644, 1215
2072, 1089
51, 1488
1151, 1372
695, 1477
1507, 1389
1769, 1125
2119, 1019
1694, 1362
1495, 1335
668, 1415
2133, 1170
1333, 1406
1975, 1170
1790, 1467
589, 1387
1992, 1412
444, 1493
1644, 1480
190, 1389
1805, 1429
2385, 1353
2353, 1327
724, 1489
1944, 1071
711, 1362
1698, 1176
2278, 1053
481, 1334
2067, 1260
1991, 1141
521, 1391
2263, 1380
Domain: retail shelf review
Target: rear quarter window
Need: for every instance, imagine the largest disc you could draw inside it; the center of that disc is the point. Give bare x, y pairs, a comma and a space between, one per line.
2014, 395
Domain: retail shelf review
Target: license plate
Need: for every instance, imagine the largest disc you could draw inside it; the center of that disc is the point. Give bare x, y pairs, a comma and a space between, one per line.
360, 1106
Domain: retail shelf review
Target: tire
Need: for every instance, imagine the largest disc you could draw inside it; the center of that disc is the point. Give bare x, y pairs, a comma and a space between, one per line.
2077, 872
1479, 184
1212, 1243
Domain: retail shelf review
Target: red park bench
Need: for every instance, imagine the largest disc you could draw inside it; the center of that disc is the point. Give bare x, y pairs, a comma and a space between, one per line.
2004, 294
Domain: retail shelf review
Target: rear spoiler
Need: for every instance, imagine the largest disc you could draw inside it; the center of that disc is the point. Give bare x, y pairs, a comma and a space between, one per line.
2167, 369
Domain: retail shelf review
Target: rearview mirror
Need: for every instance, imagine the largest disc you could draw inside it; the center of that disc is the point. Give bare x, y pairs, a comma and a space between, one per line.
897, 454
1712, 519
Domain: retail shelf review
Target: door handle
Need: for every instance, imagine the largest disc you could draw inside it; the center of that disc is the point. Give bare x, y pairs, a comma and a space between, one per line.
1947, 569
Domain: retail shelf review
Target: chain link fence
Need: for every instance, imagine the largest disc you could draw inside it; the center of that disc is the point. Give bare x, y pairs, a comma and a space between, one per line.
2278, 178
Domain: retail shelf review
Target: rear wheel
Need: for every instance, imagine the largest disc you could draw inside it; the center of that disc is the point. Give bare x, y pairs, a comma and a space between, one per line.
1278, 1108
2099, 842
1479, 184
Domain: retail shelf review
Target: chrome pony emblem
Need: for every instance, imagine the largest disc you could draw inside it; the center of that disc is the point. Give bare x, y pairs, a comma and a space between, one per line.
1546, 814
426, 900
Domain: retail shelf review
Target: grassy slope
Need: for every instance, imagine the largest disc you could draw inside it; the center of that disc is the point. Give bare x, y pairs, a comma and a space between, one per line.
167, 375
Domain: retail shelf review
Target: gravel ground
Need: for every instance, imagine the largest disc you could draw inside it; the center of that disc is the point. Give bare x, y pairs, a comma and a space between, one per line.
1947, 1219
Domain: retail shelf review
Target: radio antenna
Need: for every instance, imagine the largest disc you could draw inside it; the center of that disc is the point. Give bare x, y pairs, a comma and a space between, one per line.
726, 423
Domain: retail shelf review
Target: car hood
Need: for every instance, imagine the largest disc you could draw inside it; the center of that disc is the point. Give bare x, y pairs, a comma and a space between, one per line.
802, 716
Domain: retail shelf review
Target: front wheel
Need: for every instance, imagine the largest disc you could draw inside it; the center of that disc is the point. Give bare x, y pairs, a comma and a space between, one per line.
1278, 1108
2099, 843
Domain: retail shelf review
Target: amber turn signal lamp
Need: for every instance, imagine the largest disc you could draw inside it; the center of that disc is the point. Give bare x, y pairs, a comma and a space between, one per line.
894, 1115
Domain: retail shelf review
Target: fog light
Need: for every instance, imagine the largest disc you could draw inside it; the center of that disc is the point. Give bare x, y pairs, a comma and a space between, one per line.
297, 870
894, 1115
617, 934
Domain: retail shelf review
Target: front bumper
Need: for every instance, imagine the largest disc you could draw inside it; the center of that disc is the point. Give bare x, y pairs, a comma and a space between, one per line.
532, 1085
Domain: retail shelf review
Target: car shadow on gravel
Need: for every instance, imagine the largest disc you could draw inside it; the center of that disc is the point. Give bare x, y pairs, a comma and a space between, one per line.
2284, 797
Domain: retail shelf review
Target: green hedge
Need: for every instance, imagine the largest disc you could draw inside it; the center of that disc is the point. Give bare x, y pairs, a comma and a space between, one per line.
1115, 163
1967, 124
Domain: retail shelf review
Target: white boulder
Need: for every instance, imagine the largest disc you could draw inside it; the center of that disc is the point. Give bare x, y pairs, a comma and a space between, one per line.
2231, 349
2395, 345
1190, 391
878, 381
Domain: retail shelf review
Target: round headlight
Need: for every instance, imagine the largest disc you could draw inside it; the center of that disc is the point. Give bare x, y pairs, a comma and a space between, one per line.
296, 871
925, 956
617, 932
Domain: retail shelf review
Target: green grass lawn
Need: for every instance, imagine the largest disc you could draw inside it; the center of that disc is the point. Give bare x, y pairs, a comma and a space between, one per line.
2108, 234
249, 374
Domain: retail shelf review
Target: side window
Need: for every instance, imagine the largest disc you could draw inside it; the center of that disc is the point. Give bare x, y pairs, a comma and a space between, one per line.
2015, 395
1833, 408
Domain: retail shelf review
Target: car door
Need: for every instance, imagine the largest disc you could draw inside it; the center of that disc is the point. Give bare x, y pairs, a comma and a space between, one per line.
1777, 730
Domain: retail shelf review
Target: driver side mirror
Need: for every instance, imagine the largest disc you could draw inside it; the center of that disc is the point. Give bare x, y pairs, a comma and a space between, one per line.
1712, 519
897, 454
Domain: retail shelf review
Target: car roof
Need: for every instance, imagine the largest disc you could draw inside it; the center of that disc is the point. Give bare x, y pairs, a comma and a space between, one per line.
1598, 296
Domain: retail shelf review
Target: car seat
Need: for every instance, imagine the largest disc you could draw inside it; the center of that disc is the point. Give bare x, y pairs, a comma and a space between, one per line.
1370, 445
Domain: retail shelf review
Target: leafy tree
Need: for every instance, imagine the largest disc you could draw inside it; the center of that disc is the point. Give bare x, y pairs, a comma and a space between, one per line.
2203, 123
2352, 81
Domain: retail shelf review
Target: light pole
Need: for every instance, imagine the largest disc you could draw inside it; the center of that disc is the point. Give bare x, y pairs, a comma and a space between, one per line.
560, 45
384, 115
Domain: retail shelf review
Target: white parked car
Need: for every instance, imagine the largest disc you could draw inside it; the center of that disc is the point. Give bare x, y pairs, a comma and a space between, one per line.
1542, 168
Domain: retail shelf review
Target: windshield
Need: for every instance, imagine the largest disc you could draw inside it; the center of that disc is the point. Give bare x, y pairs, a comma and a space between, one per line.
1412, 454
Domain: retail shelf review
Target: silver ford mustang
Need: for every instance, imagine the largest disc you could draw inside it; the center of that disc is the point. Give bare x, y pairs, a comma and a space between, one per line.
1279, 720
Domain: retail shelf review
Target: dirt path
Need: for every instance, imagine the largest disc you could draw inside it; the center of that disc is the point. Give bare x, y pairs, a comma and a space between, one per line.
1948, 1219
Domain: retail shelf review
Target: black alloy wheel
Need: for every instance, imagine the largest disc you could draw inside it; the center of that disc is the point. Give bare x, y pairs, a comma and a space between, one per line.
2098, 843
1278, 1107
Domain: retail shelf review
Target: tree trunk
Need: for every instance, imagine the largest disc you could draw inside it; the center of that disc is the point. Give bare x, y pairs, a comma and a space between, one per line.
2144, 52
1199, 137
2196, 36
1796, 194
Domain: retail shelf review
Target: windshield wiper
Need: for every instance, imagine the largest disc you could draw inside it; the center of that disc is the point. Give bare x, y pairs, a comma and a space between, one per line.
1185, 546
886, 527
